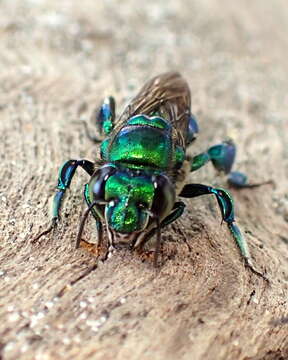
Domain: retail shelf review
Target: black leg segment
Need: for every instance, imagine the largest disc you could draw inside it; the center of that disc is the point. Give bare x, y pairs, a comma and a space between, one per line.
66, 174
226, 205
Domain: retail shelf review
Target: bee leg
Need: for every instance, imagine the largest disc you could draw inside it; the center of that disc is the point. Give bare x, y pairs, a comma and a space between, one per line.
111, 247
239, 180
193, 129
176, 212
99, 227
104, 117
66, 174
222, 157
226, 205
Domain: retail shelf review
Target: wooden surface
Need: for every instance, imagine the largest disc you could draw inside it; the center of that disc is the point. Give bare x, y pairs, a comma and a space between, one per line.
57, 60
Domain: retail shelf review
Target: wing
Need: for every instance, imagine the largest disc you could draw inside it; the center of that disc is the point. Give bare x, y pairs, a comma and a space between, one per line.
167, 95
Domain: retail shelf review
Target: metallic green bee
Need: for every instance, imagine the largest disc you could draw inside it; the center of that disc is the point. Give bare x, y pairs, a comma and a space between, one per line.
143, 168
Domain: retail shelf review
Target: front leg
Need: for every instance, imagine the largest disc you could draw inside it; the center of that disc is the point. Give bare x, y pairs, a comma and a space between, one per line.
66, 174
99, 227
226, 205
139, 243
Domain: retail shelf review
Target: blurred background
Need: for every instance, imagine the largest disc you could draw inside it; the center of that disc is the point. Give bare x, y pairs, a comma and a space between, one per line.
66, 56
58, 59
74, 53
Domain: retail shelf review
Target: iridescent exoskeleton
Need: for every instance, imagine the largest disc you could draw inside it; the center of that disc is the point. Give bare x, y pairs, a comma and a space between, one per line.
142, 171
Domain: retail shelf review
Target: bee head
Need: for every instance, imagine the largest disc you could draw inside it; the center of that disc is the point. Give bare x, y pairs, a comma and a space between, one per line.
132, 197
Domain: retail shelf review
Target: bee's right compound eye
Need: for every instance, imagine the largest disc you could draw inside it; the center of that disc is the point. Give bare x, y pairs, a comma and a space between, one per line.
164, 195
98, 181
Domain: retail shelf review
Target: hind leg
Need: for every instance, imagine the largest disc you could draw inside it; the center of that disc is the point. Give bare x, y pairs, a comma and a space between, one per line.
222, 157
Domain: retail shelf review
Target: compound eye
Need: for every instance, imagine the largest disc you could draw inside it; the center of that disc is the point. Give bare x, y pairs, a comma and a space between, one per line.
98, 181
164, 195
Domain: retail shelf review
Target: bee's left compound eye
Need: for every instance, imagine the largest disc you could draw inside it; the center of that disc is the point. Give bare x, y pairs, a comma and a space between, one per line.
98, 181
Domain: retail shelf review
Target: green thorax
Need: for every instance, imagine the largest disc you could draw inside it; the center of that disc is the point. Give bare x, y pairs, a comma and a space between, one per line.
144, 142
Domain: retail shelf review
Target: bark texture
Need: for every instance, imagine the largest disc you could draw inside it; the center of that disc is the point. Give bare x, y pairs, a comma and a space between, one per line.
57, 61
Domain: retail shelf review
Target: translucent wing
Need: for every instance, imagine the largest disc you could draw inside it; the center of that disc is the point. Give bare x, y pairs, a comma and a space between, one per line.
168, 96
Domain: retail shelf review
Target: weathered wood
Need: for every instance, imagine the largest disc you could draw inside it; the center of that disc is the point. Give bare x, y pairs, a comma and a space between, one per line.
57, 60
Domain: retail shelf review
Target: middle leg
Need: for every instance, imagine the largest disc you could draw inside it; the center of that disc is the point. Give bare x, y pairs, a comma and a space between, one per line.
104, 117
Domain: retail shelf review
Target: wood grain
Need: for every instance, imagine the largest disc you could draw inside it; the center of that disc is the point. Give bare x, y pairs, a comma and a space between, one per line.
57, 61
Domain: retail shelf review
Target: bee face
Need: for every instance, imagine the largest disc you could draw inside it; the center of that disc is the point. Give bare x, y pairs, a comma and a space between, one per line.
131, 198
128, 197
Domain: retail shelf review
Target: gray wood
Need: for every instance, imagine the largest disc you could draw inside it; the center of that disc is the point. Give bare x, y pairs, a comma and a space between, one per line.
57, 60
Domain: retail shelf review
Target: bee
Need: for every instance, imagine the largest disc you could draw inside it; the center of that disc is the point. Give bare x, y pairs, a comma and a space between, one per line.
135, 186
